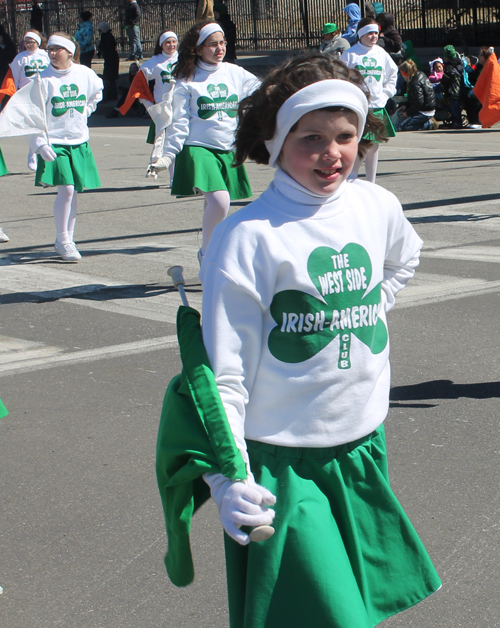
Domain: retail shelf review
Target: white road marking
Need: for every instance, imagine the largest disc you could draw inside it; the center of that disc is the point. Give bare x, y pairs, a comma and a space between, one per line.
29, 363
469, 253
16, 350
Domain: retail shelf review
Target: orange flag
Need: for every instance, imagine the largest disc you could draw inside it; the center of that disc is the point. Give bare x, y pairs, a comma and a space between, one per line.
487, 90
139, 88
8, 88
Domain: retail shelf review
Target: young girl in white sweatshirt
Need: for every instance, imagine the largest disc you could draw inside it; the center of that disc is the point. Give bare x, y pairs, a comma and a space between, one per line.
71, 93
380, 74
296, 290
26, 65
200, 138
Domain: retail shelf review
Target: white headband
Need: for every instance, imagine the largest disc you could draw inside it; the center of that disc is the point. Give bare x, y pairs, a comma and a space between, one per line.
62, 42
34, 36
369, 28
208, 30
166, 35
327, 93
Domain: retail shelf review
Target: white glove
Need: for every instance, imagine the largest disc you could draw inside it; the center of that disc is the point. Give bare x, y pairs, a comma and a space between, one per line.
162, 163
240, 504
47, 153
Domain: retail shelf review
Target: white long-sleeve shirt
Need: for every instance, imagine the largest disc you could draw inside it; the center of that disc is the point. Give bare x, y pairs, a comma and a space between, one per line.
205, 107
27, 64
378, 69
71, 96
295, 295
159, 69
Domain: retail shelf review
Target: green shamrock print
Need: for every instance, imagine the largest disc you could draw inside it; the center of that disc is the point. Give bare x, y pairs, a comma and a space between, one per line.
307, 324
218, 103
34, 67
370, 70
166, 74
70, 101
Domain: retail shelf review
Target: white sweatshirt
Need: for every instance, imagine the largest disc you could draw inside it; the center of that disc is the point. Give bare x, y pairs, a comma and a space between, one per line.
159, 69
27, 64
206, 105
378, 69
295, 295
72, 96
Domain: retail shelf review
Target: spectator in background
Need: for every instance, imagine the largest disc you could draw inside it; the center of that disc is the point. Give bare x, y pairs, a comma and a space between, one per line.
8, 51
333, 44
106, 48
36, 17
389, 39
132, 19
354, 14
420, 108
452, 84
85, 37
229, 27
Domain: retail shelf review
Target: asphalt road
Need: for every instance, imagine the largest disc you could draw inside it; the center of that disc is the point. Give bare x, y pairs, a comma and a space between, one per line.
87, 350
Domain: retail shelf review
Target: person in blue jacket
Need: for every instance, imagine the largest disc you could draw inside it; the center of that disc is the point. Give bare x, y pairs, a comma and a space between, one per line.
354, 13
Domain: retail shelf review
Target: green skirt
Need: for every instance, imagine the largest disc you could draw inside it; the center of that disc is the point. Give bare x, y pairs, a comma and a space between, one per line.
344, 554
199, 169
74, 165
151, 133
386, 119
3, 165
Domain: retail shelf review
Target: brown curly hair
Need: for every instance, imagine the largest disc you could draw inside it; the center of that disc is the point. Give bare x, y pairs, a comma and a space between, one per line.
188, 51
257, 113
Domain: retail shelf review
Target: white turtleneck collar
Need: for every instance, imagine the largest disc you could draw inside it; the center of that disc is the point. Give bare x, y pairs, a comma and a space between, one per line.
301, 201
166, 55
62, 72
366, 48
208, 67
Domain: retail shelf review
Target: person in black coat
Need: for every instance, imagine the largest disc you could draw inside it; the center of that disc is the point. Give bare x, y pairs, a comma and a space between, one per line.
452, 84
8, 51
36, 17
106, 48
389, 38
420, 108
222, 16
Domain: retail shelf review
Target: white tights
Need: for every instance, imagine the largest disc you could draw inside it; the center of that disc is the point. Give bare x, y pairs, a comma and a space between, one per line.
65, 213
215, 210
371, 163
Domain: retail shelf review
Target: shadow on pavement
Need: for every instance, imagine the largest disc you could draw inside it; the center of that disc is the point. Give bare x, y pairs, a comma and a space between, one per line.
444, 389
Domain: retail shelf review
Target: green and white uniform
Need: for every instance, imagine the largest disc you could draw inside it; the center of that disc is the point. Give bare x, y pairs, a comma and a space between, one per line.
158, 69
380, 74
296, 288
3, 165
71, 96
27, 64
205, 111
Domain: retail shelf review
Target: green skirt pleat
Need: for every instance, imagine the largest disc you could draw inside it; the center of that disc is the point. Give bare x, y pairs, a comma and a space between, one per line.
199, 169
344, 554
3, 165
74, 165
151, 133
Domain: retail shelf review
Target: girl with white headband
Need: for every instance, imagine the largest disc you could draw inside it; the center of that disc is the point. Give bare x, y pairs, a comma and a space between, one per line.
159, 70
71, 92
25, 67
201, 136
296, 290
380, 74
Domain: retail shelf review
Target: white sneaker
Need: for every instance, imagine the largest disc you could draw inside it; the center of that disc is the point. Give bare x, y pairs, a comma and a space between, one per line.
68, 252
32, 162
475, 126
3, 236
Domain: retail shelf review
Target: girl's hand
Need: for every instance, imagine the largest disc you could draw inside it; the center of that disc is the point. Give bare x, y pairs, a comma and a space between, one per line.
240, 504
47, 153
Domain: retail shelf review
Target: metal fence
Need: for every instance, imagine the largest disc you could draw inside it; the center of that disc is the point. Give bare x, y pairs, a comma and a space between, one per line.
273, 24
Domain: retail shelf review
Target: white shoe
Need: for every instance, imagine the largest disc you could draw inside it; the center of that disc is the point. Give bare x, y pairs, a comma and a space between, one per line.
32, 162
3, 236
68, 252
475, 126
